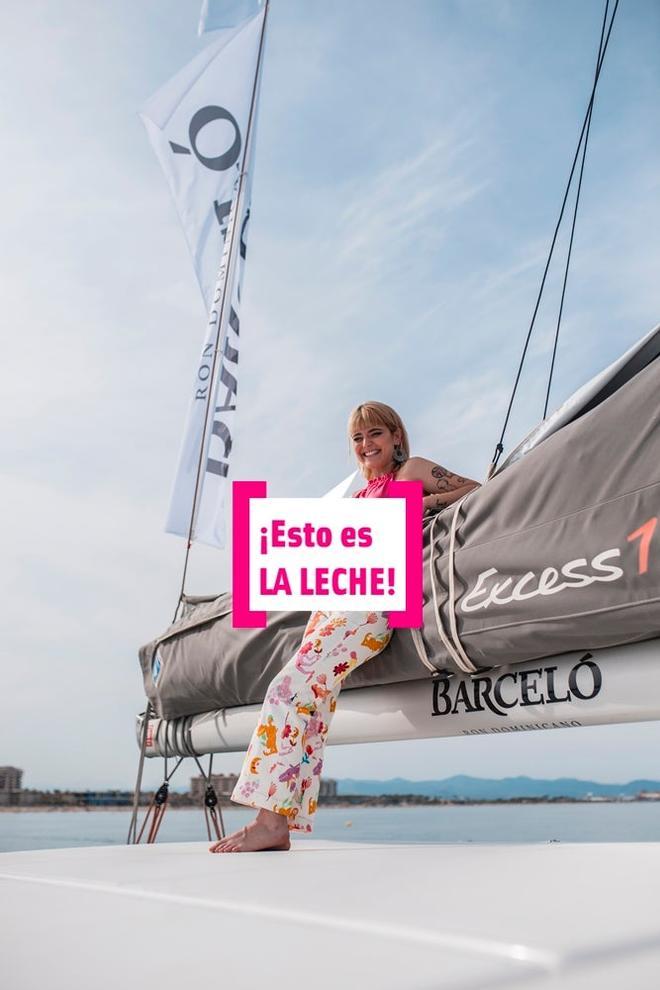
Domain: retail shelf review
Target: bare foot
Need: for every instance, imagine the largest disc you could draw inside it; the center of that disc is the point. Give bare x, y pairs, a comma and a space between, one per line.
268, 831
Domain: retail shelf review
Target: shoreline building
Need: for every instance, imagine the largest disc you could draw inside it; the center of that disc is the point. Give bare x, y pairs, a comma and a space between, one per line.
10, 786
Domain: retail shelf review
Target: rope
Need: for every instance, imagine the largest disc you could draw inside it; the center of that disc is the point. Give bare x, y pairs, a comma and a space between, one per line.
212, 810
138, 782
455, 648
418, 642
602, 49
469, 666
158, 805
575, 211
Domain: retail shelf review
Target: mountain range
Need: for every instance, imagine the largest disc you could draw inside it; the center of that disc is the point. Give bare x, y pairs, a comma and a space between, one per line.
462, 786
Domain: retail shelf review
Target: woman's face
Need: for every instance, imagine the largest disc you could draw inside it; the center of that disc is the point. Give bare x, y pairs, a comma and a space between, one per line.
374, 447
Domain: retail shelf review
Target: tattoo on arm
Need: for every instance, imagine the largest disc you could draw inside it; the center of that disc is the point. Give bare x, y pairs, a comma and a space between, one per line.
445, 480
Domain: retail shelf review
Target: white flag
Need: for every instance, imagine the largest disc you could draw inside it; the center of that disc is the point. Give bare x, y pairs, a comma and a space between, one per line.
224, 13
198, 124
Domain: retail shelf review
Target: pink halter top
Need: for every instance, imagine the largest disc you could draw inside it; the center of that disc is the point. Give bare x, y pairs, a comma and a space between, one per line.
376, 487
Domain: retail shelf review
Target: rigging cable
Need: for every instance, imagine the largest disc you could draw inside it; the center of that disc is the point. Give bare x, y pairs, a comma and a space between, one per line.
575, 212
587, 118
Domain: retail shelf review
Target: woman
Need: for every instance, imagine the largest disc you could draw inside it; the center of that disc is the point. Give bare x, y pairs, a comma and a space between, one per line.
282, 767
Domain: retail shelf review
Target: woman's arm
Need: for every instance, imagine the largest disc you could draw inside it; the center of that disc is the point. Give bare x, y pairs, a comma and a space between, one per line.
441, 487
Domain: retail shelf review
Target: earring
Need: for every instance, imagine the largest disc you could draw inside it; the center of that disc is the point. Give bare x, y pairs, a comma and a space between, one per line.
398, 456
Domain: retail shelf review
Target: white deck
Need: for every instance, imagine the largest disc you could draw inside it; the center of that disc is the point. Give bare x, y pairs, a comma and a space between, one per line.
333, 914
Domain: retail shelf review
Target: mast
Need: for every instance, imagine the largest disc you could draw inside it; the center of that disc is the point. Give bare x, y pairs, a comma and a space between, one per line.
225, 272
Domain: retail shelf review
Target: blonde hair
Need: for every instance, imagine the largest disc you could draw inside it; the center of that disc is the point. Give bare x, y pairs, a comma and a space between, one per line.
369, 414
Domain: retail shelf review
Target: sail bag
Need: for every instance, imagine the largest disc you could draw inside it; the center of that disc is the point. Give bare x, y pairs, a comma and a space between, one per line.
558, 551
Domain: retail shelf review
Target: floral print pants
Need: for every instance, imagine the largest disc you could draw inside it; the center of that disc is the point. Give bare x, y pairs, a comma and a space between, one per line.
282, 766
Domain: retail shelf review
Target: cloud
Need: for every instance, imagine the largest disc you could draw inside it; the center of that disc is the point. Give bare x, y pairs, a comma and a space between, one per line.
401, 213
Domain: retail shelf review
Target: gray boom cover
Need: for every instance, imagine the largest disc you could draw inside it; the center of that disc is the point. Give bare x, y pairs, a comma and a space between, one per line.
558, 551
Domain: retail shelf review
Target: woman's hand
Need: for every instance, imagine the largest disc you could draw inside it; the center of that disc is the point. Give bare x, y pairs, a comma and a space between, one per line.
439, 501
430, 502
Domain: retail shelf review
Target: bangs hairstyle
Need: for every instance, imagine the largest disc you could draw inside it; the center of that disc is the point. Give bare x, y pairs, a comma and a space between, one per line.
370, 414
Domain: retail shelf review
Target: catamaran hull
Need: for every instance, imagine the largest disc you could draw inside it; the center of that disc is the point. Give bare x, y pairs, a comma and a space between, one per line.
599, 687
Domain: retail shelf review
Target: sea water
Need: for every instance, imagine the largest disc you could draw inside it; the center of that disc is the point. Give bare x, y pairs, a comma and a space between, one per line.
598, 822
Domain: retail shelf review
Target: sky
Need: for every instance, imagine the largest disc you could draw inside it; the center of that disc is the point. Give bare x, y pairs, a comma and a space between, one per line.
409, 166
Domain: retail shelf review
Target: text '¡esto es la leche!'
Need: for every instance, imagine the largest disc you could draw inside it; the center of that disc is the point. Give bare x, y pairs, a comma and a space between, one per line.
321, 580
